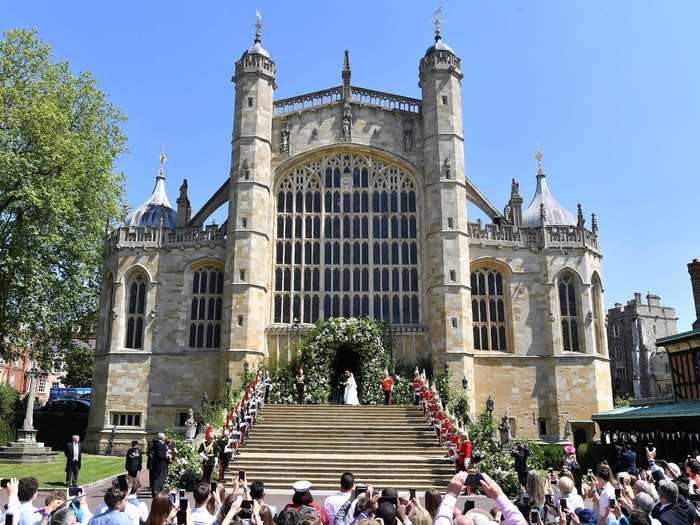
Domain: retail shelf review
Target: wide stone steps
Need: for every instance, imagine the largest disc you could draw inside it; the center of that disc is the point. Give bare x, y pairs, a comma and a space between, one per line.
382, 446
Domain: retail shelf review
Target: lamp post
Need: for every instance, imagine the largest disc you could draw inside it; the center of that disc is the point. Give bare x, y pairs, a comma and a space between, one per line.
296, 327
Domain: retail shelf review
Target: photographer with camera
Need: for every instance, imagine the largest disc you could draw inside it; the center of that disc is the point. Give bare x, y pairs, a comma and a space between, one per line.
361, 505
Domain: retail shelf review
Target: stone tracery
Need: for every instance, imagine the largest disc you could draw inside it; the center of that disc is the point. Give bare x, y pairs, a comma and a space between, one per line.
360, 212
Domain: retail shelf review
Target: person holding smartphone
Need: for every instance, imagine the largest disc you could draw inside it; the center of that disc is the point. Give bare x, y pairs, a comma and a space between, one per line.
9, 488
200, 513
337, 500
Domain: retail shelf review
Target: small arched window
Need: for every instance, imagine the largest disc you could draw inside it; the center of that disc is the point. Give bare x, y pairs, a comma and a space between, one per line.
206, 307
489, 310
135, 311
568, 312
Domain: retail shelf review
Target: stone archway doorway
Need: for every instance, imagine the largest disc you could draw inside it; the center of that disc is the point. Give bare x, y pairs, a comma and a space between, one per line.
346, 358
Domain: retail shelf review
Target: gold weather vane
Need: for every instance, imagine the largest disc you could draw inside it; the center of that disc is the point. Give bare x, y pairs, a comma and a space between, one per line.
163, 158
539, 157
437, 21
258, 25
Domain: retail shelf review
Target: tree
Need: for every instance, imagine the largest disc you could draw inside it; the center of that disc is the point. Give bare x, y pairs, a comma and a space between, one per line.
78, 362
59, 137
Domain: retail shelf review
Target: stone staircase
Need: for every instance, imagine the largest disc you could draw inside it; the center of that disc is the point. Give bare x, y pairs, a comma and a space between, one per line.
382, 446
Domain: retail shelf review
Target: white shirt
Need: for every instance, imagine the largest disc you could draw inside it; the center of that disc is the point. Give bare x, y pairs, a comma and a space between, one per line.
28, 514
75, 451
201, 516
606, 494
136, 510
333, 504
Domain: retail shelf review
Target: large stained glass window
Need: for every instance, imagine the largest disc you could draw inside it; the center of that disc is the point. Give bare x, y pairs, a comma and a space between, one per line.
568, 313
489, 310
346, 242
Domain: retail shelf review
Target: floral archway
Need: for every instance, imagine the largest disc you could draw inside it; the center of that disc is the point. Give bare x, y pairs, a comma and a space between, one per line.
365, 337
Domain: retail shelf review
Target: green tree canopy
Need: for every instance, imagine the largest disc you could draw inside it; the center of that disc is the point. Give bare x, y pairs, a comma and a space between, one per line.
59, 137
78, 362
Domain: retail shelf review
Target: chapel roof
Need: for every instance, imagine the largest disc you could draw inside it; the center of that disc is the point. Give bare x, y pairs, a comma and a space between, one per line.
544, 205
157, 206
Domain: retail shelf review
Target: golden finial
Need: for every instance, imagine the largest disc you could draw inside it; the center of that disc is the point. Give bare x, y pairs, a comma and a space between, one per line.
163, 158
539, 157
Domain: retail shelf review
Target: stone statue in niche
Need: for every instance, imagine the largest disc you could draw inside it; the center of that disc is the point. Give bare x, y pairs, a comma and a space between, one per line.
284, 138
347, 122
514, 187
408, 140
448, 169
314, 134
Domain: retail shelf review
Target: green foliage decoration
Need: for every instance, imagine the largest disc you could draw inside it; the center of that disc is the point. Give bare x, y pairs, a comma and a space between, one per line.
364, 336
59, 138
186, 470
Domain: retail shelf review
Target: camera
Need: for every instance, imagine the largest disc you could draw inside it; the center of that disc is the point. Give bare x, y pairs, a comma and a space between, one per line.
613, 503
74, 491
122, 483
563, 505
213, 487
4, 482
548, 499
534, 514
246, 511
468, 505
589, 476
618, 493
412, 493
241, 475
360, 489
473, 480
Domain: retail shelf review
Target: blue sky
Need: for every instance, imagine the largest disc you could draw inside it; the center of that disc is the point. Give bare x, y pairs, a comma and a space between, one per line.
609, 90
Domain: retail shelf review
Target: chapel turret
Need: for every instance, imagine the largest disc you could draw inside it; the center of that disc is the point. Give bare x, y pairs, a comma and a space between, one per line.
446, 240
249, 246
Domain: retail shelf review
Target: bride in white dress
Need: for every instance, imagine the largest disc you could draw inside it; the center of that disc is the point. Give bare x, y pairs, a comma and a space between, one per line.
350, 395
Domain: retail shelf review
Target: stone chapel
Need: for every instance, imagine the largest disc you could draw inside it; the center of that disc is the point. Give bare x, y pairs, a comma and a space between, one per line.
352, 202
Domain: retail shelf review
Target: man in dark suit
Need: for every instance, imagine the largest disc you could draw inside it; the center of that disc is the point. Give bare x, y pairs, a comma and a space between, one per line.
159, 464
73, 452
669, 510
133, 460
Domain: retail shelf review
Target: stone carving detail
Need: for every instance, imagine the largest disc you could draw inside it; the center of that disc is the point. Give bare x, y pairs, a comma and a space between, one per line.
447, 168
245, 170
314, 134
284, 138
347, 123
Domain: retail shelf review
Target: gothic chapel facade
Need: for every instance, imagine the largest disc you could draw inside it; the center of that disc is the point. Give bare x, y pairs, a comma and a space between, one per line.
352, 202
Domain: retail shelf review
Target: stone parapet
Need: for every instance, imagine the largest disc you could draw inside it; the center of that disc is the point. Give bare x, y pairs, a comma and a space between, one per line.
165, 238
547, 237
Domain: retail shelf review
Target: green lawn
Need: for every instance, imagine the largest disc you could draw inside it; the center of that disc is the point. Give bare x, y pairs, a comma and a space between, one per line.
52, 475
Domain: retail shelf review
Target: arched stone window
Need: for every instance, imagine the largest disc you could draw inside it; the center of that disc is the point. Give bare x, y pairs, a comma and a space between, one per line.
489, 310
346, 242
206, 307
597, 292
568, 312
135, 311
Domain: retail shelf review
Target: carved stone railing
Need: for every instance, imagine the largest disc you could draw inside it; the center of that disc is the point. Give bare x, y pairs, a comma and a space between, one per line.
386, 100
335, 94
309, 100
550, 236
157, 238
